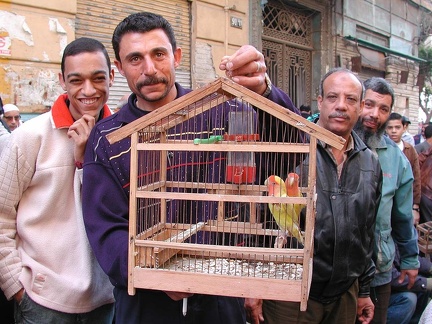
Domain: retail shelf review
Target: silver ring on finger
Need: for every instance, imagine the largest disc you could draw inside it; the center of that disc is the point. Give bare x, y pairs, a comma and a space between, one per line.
258, 67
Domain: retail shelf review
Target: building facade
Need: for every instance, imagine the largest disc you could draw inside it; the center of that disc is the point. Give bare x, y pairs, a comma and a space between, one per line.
300, 40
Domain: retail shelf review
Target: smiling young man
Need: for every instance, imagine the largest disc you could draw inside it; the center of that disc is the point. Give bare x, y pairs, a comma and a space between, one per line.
46, 264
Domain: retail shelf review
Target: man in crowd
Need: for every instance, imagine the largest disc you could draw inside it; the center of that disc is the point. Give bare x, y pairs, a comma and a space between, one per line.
11, 116
420, 138
406, 136
427, 143
394, 130
394, 223
46, 263
305, 111
348, 192
147, 55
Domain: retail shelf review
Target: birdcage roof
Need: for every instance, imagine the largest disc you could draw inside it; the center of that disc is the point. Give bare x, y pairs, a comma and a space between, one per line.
209, 96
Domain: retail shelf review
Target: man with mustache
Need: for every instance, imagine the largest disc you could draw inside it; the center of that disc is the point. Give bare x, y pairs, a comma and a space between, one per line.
348, 191
394, 224
147, 55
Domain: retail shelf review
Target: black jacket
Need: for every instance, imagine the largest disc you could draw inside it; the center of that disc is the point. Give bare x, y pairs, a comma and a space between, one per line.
345, 222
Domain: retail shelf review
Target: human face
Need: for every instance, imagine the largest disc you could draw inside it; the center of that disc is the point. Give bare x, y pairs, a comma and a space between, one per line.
87, 79
12, 119
395, 129
340, 104
148, 63
376, 111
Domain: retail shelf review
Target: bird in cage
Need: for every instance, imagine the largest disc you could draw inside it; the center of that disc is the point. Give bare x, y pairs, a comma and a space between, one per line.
293, 190
287, 216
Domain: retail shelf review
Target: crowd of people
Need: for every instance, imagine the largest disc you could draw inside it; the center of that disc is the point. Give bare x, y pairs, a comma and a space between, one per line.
64, 243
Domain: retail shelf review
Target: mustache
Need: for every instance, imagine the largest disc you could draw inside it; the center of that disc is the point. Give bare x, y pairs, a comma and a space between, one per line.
150, 81
369, 119
339, 114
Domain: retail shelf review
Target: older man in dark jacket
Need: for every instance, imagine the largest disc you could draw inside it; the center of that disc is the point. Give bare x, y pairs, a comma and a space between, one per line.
348, 194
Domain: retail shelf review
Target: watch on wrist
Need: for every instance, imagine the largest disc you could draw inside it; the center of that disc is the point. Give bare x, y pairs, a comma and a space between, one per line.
269, 86
417, 209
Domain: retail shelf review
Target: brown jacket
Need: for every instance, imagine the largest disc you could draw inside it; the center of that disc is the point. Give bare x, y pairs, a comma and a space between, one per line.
425, 160
412, 157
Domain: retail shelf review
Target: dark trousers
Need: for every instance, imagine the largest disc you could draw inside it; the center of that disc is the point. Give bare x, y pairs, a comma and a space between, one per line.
341, 311
7, 309
155, 307
380, 296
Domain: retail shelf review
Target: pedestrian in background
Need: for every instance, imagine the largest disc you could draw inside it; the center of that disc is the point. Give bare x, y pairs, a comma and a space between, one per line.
395, 130
11, 116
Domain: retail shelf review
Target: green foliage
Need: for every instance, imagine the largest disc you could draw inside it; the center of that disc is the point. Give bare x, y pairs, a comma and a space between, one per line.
425, 68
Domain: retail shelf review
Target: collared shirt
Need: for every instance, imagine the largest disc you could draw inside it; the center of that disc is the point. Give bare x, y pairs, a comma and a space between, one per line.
329, 149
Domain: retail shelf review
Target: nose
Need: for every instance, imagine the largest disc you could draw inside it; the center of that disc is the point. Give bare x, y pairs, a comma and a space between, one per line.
373, 112
148, 66
341, 103
88, 89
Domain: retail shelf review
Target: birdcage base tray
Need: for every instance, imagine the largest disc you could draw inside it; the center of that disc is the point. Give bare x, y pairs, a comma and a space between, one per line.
224, 285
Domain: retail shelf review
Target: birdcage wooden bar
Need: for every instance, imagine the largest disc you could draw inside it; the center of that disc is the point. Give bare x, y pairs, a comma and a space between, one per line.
200, 211
424, 232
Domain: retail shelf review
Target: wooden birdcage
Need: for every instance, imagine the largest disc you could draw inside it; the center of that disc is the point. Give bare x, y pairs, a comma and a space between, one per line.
424, 232
199, 217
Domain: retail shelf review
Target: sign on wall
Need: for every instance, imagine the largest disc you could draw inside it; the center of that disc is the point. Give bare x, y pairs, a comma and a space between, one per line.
5, 43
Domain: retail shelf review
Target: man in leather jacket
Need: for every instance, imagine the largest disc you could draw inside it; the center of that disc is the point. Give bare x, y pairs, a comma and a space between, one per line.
348, 194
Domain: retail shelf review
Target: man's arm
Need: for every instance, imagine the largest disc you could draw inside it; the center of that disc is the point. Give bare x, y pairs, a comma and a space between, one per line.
15, 174
105, 211
403, 231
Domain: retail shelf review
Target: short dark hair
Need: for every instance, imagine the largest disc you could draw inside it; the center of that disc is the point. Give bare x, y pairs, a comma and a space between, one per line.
84, 45
335, 70
405, 120
380, 86
141, 22
305, 108
428, 131
395, 116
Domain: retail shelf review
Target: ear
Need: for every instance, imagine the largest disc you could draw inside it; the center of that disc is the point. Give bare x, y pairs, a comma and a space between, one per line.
177, 57
119, 66
62, 81
111, 77
319, 102
362, 103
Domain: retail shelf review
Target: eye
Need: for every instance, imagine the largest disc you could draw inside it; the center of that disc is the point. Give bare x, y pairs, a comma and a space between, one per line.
385, 109
352, 100
74, 81
134, 59
160, 55
100, 78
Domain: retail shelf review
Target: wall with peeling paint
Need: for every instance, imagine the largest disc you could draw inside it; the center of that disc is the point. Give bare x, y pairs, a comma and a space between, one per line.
215, 35
37, 34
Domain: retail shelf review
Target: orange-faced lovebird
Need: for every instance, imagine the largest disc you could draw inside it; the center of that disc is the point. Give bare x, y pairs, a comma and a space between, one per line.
285, 215
293, 190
